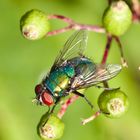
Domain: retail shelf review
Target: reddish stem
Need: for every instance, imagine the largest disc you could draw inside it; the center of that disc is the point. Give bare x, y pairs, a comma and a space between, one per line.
106, 52
73, 25
66, 104
123, 61
93, 28
136, 10
63, 18
59, 31
91, 118
107, 48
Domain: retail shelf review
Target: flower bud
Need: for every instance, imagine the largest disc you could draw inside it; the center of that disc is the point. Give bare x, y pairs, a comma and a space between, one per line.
34, 24
50, 127
113, 103
117, 18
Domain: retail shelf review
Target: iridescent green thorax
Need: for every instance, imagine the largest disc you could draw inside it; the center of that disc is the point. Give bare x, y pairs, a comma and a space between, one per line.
59, 79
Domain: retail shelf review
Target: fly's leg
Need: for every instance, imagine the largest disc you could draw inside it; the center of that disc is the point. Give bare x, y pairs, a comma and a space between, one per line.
106, 88
56, 102
82, 95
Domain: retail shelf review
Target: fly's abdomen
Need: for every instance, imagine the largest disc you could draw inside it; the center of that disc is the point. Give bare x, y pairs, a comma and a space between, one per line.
59, 79
83, 66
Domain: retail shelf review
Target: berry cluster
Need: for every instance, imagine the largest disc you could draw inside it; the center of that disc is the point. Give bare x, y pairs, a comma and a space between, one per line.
116, 20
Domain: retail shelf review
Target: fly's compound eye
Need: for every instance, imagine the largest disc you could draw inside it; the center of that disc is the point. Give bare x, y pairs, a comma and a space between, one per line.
38, 89
47, 99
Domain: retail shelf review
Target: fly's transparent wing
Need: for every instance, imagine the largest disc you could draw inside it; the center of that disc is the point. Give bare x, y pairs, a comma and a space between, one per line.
74, 47
100, 74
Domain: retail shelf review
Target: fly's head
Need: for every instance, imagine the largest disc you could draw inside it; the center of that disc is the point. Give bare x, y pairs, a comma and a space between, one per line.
43, 96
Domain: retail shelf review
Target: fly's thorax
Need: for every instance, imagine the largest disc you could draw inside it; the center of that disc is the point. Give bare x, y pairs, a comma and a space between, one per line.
69, 70
59, 80
83, 67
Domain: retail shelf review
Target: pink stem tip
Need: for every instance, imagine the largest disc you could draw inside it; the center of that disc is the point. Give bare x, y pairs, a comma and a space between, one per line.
66, 104
85, 121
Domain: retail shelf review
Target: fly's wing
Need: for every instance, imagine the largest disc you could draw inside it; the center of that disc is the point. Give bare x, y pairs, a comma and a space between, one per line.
101, 73
74, 47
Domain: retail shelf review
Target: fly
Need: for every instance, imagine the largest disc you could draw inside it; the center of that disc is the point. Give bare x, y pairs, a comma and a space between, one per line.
73, 71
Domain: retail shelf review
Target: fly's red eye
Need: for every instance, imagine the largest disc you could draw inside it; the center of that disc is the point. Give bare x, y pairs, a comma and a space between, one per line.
38, 89
47, 98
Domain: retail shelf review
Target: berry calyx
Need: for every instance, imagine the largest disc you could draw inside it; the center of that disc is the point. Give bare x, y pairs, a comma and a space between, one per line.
34, 24
113, 103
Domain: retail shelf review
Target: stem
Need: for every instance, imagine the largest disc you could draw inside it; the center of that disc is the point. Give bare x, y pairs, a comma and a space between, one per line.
123, 61
136, 10
109, 2
107, 48
105, 83
106, 52
91, 118
93, 28
63, 18
59, 31
66, 104
73, 25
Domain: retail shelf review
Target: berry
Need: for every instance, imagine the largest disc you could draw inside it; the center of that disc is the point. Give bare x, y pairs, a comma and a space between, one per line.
50, 127
34, 24
113, 103
117, 18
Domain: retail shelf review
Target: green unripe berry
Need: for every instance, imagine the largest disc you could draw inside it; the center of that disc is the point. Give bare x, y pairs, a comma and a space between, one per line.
113, 103
34, 24
117, 18
50, 127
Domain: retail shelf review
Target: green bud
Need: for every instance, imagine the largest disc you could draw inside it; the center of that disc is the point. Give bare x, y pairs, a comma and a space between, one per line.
113, 103
50, 127
117, 18
34, 24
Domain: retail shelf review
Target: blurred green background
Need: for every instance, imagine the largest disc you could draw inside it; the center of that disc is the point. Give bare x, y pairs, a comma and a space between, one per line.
22, 62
